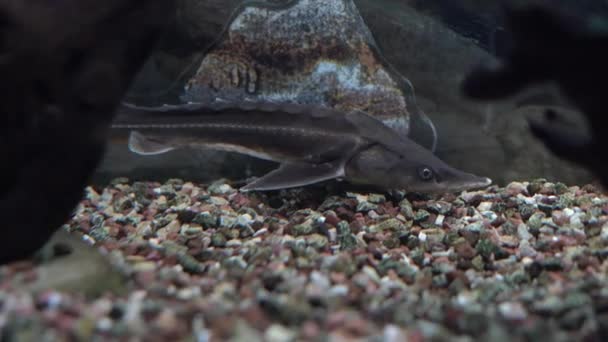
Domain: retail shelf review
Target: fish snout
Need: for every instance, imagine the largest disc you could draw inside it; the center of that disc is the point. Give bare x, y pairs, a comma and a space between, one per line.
457, 181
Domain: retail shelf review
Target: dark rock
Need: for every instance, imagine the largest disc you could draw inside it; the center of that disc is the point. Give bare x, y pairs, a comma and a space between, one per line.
66, 69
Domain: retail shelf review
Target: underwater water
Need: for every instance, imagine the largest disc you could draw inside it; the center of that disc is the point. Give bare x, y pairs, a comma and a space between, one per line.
399, 61
318, 170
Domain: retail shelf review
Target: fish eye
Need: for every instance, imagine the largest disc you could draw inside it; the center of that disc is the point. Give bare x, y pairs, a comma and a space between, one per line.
425, 173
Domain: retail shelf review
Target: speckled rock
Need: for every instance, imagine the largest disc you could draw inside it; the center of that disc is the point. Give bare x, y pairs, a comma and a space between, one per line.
339, 66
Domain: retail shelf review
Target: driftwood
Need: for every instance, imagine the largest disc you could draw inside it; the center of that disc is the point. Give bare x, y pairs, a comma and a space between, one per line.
65, 66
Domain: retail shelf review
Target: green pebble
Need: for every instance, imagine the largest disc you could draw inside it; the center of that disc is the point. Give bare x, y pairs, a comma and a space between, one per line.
347, 242
536, 221
246, 231
440, 280
487, 248
190, 264
421, 215
317, 241
206, 219
405, 208
218, 240
526, 210
391, 224
364, 207
439, 207
478, 263
304, 228
376, 198
392, 242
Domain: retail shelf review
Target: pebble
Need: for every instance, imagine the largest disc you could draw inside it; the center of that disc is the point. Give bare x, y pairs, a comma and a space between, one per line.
439, 207
485, 206
516, 188
439, 220
393, 333
218, 201
260, 232
144, 266
279, 333
220, 188
376, 198
405, 208
526, 250
523, 233
234, 243
488, 263
604, 232
513, 311
421, 215
576, 221
338, 291
509, 241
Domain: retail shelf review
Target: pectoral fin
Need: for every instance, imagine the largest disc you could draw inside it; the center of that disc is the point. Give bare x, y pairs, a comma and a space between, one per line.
294, 175
143, 145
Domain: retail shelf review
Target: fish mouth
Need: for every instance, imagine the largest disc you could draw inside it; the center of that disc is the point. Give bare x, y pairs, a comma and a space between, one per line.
454, 180
472, 183
482, 183
464, 182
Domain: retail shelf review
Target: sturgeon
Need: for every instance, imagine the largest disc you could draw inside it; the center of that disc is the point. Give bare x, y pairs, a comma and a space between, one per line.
312, 144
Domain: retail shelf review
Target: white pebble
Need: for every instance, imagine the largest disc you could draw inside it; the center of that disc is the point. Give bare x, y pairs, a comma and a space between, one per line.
333, 234
338, 291
523, 233
260, 232
392, 333
53, 301
234, 243
464, 299
88, 239
575, 221
484, 206
200, 332
527, 261
512, 311
320, 280
604, 232
490, 215
422, 236
279, 333
439, 220
104, 324
568, 212
188, 293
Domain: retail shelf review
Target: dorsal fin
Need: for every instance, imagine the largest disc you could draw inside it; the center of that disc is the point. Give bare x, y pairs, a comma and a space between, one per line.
375, 130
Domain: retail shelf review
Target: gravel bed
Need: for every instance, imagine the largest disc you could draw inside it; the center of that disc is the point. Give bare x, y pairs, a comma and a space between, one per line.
207, 263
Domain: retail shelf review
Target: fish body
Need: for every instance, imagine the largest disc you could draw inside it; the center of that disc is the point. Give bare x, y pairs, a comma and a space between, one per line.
312, 144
